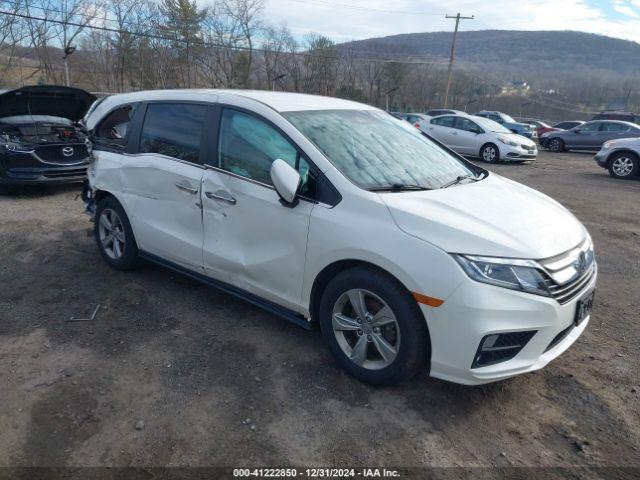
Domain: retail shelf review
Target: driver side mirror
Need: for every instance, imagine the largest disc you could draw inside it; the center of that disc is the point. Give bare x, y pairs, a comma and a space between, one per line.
286, 180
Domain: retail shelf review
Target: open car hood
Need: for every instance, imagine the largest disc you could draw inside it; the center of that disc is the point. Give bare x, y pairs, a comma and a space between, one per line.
66, 102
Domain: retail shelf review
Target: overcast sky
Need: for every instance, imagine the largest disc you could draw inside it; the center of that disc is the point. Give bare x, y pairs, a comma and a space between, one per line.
345, 20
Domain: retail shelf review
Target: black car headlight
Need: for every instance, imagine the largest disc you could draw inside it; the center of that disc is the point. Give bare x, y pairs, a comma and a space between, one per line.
19, 148
516, 274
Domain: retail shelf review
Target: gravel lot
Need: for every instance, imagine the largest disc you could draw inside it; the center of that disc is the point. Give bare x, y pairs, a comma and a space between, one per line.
174, 373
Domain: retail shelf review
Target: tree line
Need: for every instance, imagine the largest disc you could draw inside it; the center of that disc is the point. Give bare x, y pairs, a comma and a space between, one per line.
124, 45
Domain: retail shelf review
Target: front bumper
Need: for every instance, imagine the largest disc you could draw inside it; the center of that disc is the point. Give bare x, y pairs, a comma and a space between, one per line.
475, 310
27, 168
602, 158
33, 176
517, 153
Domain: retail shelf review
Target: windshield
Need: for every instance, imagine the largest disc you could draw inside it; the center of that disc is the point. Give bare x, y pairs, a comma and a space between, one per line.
490, 126
376, 151
508, 118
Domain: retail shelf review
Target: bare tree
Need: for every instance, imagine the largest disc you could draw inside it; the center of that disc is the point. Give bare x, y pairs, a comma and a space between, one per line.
12, 33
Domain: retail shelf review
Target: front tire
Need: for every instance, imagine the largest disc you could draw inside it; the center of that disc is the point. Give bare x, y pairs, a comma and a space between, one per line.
373, 327
624, 165
556, 145
490, 153
114, 235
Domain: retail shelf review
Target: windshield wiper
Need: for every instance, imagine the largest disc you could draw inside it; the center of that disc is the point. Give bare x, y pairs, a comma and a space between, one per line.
461, 178
398, 187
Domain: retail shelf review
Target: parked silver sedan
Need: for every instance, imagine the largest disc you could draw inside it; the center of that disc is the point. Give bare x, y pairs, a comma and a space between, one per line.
589, 136
620, 157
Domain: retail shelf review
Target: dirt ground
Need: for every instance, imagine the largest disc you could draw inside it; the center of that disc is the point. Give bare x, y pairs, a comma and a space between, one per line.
174, 373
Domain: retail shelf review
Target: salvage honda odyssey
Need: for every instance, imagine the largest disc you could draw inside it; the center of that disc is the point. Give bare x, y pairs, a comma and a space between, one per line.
325, 211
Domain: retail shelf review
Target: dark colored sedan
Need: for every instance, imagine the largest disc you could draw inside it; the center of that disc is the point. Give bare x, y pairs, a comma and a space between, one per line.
589, 136
40, 139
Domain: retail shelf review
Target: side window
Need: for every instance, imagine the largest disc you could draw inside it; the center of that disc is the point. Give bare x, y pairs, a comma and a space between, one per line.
467, 125
174, 130
590, 127
113, 129
444, 121
247, 146
613, 127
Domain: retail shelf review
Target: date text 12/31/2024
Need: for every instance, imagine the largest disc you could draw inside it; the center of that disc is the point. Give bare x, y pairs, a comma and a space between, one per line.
316, 473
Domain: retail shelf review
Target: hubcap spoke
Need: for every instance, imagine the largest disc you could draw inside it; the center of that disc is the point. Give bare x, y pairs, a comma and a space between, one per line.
384, 316
356, 297
105, 222
386, 350
342, 322
359, 353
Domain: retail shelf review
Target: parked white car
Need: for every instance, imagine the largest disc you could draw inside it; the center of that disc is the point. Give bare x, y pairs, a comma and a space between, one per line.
480, 137
330, 212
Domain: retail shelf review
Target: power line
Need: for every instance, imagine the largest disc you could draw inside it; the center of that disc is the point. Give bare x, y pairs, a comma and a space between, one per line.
199, 42
323, 3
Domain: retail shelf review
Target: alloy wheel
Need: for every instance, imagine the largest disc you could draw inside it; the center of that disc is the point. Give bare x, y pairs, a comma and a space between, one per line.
111, 232
622, 166
366, 329
554, 145
489, 154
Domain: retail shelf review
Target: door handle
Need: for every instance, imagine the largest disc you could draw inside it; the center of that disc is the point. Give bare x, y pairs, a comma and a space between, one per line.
187, 188
221, 195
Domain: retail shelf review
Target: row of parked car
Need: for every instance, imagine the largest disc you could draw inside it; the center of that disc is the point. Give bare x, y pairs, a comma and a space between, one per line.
42, 139
495, 136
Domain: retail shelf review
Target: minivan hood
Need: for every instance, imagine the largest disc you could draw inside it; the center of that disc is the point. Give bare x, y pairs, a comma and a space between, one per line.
66, 102
493, 217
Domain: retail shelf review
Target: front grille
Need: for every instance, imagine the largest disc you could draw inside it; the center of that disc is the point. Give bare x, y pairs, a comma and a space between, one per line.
500, 347
54, 153
74, 172
528, 147
567, 292
558, 338
568, 274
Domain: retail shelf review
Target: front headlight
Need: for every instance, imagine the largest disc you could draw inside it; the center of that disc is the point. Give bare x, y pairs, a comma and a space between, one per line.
608, 145
516, 274
508, 141
17, 147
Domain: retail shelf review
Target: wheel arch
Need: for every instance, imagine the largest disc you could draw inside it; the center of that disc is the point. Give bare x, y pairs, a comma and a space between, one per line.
325, 275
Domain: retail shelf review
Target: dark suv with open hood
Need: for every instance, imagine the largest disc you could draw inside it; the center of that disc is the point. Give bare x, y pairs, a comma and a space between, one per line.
41, 140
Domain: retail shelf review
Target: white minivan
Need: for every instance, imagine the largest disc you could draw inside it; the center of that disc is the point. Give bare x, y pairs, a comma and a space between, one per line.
329, 212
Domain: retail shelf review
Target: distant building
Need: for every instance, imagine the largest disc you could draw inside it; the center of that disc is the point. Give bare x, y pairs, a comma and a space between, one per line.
515, 87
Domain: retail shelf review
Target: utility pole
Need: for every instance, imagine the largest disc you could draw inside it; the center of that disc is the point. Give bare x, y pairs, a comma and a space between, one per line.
458, 17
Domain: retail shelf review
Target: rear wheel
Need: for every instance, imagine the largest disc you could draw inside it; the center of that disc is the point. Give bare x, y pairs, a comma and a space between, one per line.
556, 145
490, 153
114, 235
624, 165
373, 327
